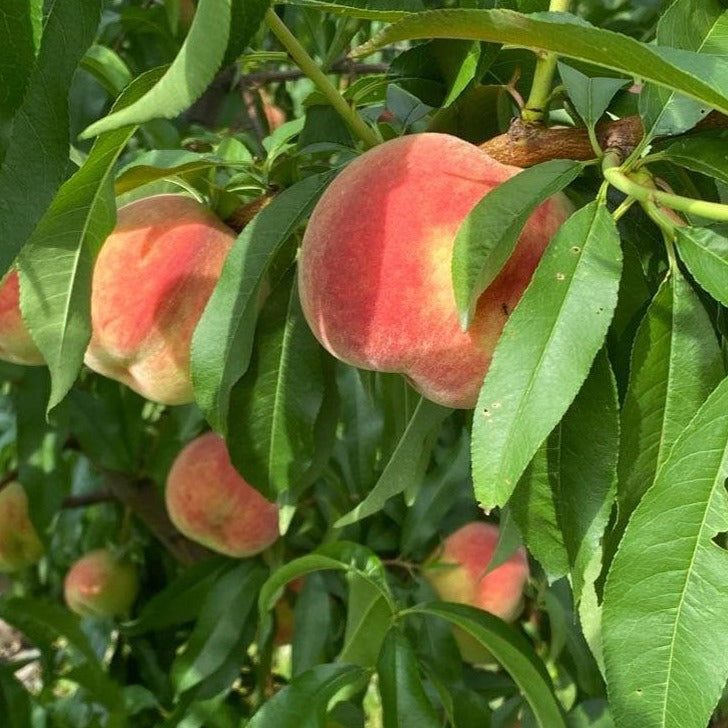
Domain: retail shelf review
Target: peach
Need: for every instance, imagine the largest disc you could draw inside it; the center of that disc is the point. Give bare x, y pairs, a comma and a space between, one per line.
151, 282
19, 543
211, 503
375, 264
457, 573
16, 344
101, 585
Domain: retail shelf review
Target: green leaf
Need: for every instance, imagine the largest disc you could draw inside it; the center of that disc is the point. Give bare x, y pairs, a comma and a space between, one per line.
665, 599
590, 96
305, 701
404, 701
245, 19
676, 363
274, 407
487, 236
180, 601
692, 26
18, 45
186, 78
368, 618
588, 444
702, 77
405, 465
312, 624
511, 650
546, 350
220, 628
223, 340
15, 704
704, 153
705, 253
532, 506
36, 162
43, 623
161, 163
56, 265
108, 68
386, 10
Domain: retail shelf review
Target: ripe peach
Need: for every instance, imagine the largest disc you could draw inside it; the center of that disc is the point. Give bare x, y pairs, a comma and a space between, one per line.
100, 585
16, 344
457, 573
210, 502
151, 282
375, 264
19, 542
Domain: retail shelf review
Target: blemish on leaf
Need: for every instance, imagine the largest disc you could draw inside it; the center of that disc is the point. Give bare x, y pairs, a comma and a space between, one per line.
575, 249
560, 276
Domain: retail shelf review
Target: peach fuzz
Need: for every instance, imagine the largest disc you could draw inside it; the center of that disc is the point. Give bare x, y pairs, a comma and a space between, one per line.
16, 344
375, 264
457, 572
100, 585
19, 543
211, 503
151, 282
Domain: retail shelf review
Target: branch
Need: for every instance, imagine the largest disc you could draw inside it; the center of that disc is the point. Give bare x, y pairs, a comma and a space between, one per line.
91, 499
142, 498
292, 74
524, 145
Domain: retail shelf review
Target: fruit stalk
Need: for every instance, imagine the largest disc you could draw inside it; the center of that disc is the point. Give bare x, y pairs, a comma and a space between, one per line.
299, 54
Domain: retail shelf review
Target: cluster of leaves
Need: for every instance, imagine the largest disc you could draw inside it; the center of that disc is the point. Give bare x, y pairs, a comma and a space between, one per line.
600, 434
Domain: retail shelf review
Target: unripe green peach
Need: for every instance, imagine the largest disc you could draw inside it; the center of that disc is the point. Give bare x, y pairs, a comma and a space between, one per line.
19, 543
457, 572
101, 585
16, 344
151, 282
211, 503
375, 275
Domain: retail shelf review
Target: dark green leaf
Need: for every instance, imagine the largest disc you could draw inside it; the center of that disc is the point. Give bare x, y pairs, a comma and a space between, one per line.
692, 26
546, 350
368, 618
304, 702
223, 340
56, 265
108, 68
533, 509
676, 363
705, 253
404, 702
665, 600
273, 408
18, 45
704, 153
703, 77
488, 235
220, 626
588, 444
36, 161
388, 10
245, 18
405, 465
590, 96
511, 650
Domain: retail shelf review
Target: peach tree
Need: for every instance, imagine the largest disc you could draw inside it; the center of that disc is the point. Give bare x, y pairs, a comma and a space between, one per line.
452, 454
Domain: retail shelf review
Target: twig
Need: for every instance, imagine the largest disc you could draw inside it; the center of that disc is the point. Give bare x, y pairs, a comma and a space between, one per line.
90, 499
341, 67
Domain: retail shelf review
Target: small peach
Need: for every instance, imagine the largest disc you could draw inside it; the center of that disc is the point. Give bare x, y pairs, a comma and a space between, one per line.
19, 543
100, 585
16, 344
211, 503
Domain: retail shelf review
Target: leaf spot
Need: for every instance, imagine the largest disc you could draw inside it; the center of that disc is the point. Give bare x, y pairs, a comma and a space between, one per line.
560, 276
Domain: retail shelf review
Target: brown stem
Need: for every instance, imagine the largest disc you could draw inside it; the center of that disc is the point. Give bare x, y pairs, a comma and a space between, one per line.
91, 499
9, 477
524, 145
